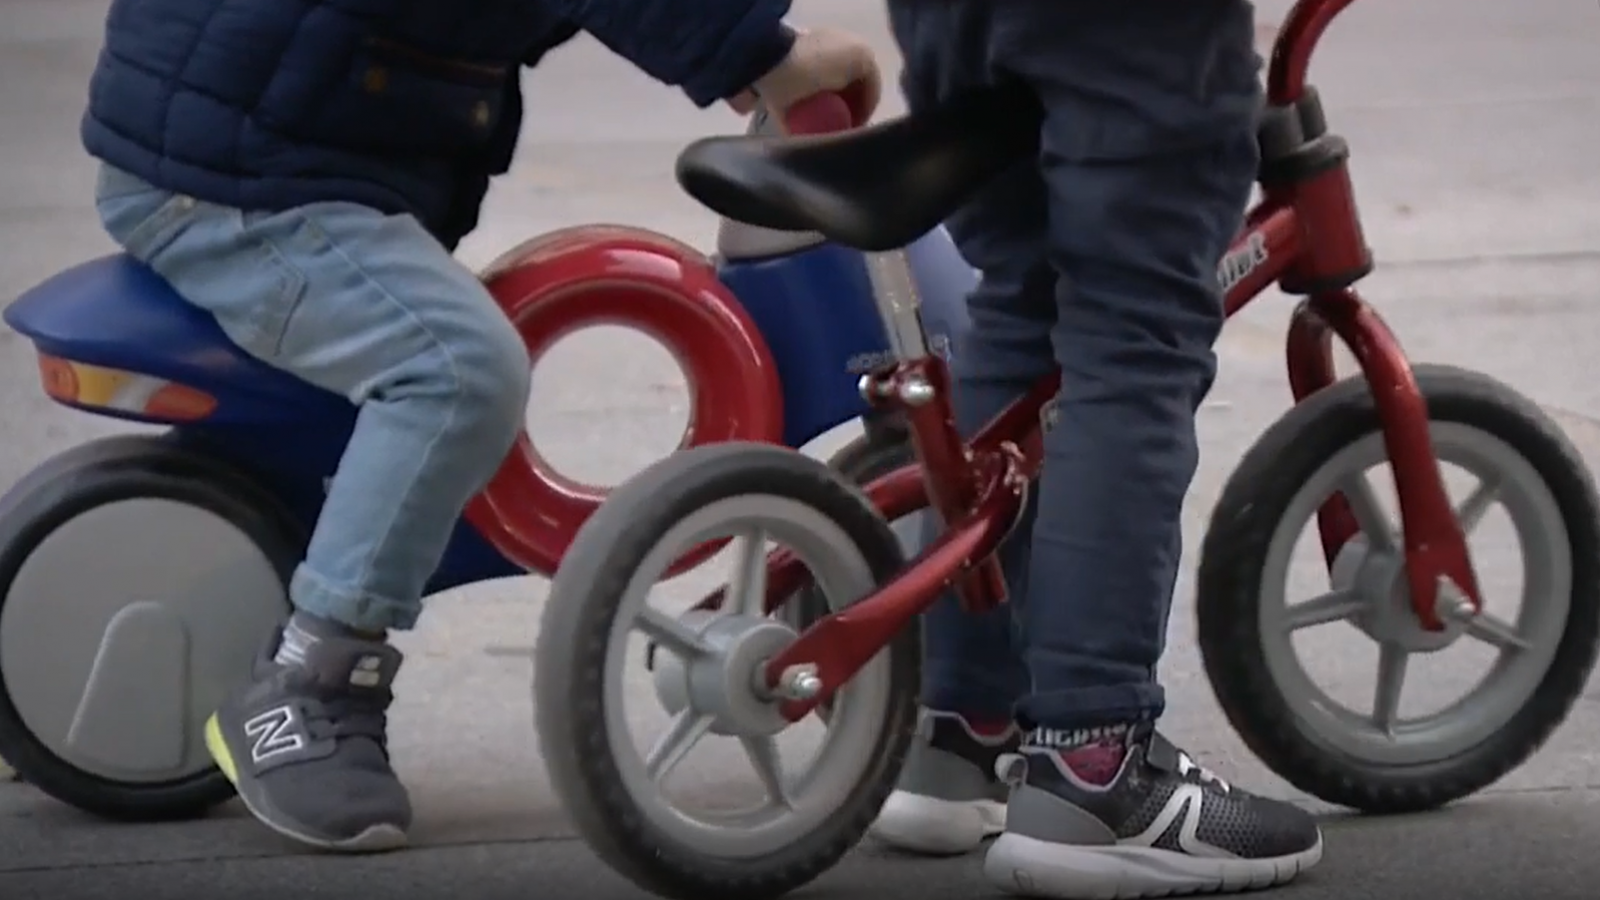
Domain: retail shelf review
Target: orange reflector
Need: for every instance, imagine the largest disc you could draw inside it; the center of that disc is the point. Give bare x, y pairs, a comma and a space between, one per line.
81, 384
59, 378
180, 403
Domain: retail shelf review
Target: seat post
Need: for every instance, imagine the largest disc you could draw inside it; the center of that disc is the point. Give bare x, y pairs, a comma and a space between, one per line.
895, 292
738, 241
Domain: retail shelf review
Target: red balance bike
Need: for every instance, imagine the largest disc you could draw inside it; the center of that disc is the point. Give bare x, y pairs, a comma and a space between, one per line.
730, 668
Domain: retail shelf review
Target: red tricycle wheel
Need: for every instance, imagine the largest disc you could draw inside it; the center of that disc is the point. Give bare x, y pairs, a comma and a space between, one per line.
613, 275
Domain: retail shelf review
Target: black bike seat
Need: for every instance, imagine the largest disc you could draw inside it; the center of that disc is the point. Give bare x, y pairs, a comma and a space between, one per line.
875, 188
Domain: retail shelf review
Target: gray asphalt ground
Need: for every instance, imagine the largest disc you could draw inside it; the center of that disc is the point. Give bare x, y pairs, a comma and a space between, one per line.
1475, 126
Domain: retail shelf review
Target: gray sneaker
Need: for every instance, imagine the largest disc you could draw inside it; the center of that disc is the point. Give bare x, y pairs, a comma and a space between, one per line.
949, 799
1135, 817
305, 745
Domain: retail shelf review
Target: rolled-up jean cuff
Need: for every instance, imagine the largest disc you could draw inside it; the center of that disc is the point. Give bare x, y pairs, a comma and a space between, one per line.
362, 612
1093, 707
977, 698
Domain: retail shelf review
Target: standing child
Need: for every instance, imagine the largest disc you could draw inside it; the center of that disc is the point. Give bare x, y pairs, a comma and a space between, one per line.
1100, 257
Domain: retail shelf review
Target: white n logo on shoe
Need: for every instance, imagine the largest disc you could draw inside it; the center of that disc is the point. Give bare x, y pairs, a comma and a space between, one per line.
274, 733
1187, 801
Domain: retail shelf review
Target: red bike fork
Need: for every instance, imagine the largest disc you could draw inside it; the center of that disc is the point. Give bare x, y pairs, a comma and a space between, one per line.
1437, 558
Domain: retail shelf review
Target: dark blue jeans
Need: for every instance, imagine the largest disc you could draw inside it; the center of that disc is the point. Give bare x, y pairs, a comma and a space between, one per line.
1100, 257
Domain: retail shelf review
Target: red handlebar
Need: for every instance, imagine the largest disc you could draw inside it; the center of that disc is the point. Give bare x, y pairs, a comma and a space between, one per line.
1291, 52
819, 114
830, 112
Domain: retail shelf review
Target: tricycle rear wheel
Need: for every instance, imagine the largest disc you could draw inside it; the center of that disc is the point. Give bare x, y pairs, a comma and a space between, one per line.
138, 579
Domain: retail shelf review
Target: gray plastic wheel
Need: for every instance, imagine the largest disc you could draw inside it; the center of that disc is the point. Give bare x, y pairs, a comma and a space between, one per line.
138, 581
1377, 760
753, 493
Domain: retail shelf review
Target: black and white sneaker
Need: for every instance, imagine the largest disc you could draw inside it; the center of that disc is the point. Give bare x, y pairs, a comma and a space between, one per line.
1129, 815
949, 799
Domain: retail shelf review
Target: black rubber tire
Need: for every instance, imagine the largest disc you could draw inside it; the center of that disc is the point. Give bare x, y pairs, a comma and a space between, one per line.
882, 448
870, 456
575, 638
88, 476
1235, 550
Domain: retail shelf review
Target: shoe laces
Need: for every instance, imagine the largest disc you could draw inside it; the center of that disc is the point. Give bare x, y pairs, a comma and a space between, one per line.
362, 714
1191, 771
1010, 769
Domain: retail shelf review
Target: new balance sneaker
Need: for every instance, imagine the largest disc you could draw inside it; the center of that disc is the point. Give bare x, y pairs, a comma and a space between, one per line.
949, 799
306, 745
1121, 813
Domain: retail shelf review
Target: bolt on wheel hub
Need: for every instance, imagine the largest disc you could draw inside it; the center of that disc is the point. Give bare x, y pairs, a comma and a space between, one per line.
1380, 577
727, 682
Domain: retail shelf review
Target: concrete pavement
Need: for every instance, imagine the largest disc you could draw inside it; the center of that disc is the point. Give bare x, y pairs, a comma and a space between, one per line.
1474, 125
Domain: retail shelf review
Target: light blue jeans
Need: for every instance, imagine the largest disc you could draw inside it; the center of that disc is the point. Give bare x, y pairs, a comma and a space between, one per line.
369, 306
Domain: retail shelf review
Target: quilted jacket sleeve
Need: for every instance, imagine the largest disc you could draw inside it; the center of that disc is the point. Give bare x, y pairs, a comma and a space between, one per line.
712, 49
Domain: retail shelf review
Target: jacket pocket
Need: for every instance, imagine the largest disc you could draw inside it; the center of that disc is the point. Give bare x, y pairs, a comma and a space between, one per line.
398, 99
461, 71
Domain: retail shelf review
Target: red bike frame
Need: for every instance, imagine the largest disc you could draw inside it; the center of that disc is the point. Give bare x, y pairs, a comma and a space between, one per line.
1306, 235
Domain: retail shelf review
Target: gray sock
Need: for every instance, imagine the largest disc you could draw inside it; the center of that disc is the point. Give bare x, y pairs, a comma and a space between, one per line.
304, 629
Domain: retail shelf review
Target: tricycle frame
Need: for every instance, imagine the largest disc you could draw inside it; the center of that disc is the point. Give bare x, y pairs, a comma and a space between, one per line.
1305, 236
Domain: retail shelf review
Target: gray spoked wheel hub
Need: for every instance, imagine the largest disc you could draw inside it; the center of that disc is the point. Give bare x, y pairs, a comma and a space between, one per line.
709, 676
1369, 590
708, 683
719, 839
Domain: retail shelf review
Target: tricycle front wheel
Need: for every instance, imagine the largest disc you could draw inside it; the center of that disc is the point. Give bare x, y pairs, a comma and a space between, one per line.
1380, 759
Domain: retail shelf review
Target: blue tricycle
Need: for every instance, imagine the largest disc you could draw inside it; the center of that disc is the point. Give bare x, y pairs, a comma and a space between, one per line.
140, 574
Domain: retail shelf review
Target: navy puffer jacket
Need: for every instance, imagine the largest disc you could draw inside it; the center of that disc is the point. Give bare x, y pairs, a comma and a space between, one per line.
408, 106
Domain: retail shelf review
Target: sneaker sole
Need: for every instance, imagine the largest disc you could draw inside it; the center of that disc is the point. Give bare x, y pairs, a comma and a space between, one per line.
917, 823
1033, 868
376, 839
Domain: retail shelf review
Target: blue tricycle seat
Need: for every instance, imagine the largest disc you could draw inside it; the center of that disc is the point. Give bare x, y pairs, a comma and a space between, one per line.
115, 312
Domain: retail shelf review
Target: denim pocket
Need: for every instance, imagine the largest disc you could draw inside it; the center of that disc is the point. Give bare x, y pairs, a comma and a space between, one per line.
255, 296
220, 259
146, 224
